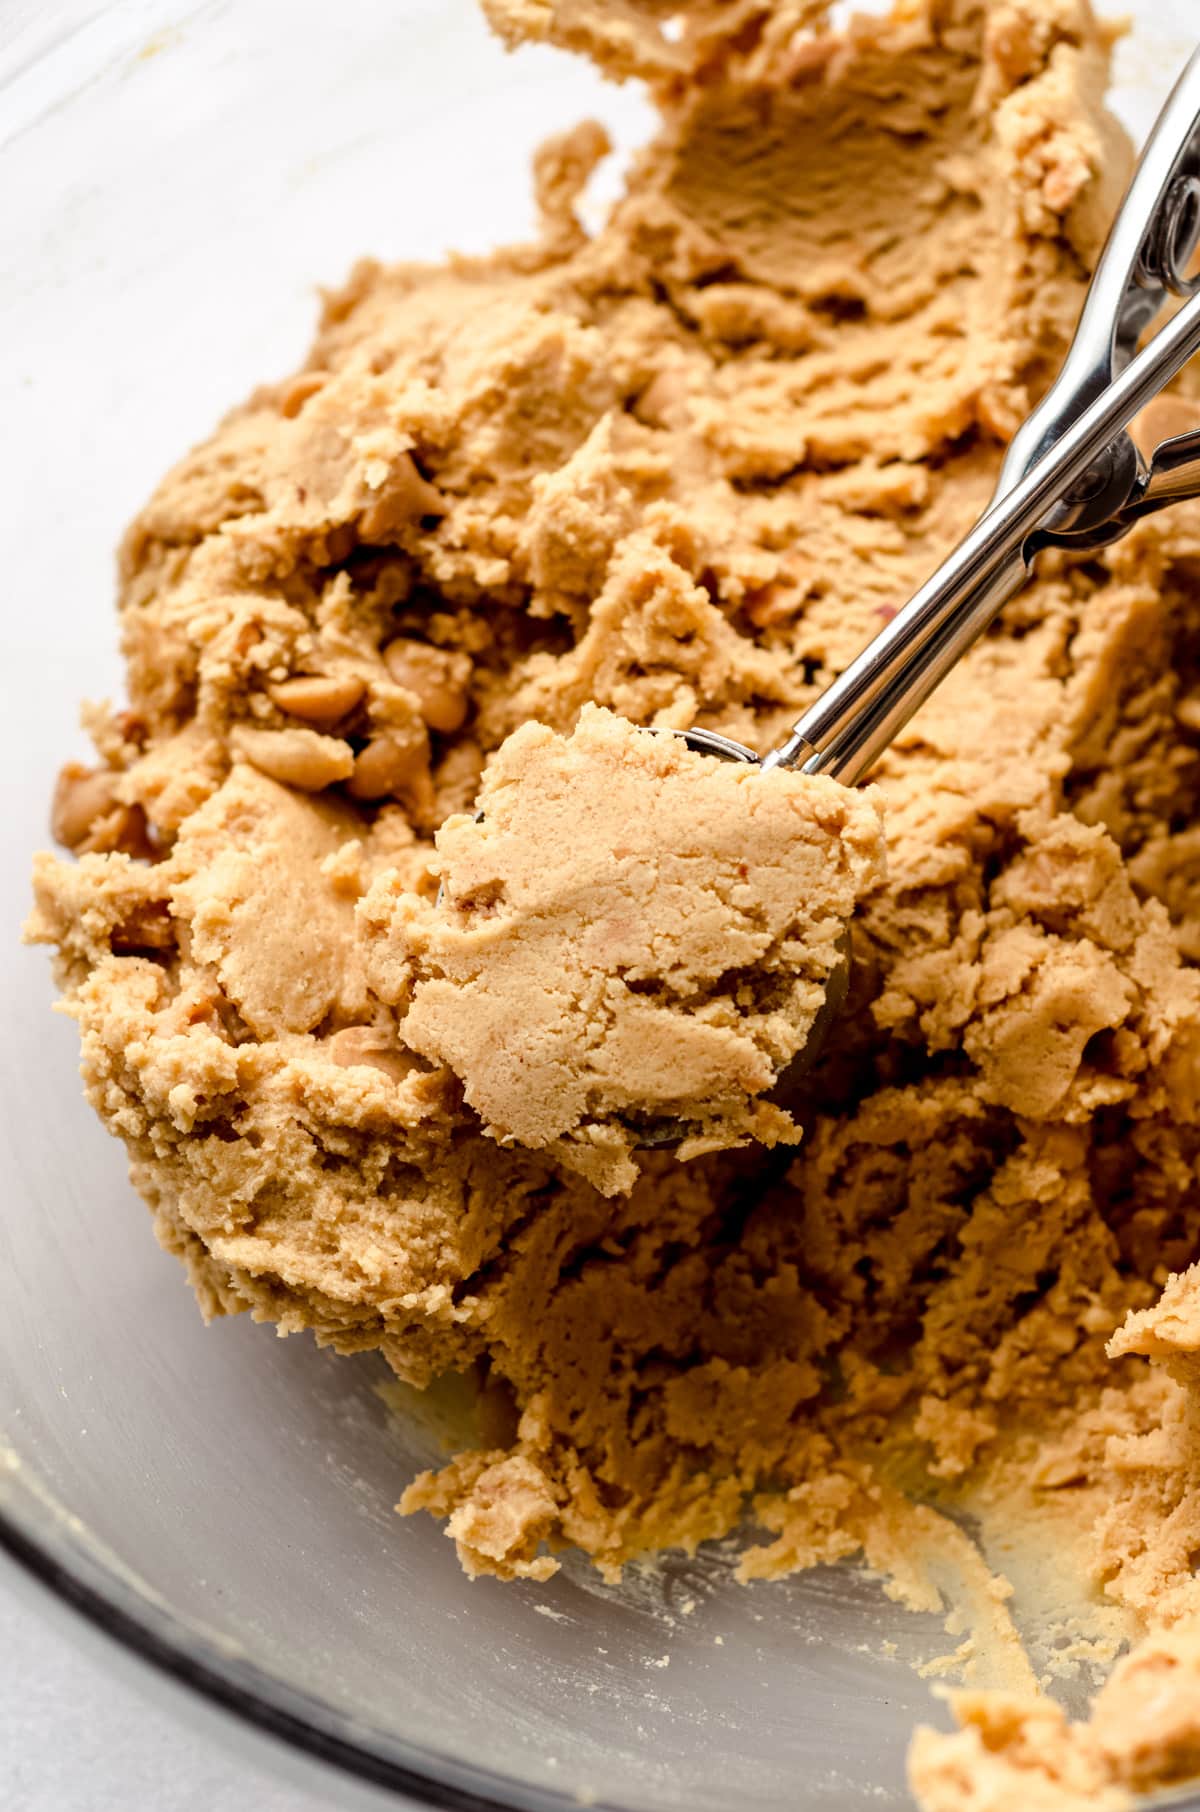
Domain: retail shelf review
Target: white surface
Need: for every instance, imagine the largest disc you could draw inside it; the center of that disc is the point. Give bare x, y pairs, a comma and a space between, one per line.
76, 1735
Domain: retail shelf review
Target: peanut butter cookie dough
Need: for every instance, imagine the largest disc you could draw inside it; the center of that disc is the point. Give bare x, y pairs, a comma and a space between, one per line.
631, 935
683, 469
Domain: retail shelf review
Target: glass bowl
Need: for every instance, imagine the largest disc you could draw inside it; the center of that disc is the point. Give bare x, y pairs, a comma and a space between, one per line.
177, 178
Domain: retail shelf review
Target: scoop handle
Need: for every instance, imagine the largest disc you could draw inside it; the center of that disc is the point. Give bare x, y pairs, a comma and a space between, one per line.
1144, 261
1074, 448
856, 718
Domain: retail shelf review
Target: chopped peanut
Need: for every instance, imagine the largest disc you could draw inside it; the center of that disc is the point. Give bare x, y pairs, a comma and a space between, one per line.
299, 758
664, 400
436, 677
87, 816
148, 927
299, 390
81, 796
387, 766
319, 698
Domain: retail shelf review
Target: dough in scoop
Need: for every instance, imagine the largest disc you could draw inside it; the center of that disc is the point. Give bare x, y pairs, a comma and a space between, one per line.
630, 931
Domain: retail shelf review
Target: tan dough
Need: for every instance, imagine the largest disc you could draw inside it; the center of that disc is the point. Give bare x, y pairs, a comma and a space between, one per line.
682, 470
632, 933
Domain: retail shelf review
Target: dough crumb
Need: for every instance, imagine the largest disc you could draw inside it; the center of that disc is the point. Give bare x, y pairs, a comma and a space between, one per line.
1143, 1736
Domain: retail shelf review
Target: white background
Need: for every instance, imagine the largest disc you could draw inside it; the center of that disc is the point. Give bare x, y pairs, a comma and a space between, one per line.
78, 1736
81, 1731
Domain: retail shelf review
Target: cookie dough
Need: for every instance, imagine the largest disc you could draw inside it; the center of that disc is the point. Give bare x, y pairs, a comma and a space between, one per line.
630, 939
1018, 1752
683, 468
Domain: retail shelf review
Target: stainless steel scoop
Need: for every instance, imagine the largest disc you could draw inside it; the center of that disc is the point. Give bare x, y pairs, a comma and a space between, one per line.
1073, 478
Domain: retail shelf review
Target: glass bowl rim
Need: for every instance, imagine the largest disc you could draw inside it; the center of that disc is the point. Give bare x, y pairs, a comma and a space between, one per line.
254, 1695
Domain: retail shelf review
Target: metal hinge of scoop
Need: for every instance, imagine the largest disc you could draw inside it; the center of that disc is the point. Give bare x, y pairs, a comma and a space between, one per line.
1145, 261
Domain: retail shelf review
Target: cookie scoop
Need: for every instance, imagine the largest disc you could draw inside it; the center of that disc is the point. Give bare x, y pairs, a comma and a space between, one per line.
1073, 478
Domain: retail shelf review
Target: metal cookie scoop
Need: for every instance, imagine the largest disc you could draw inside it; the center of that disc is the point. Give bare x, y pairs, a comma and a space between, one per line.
1073, 478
